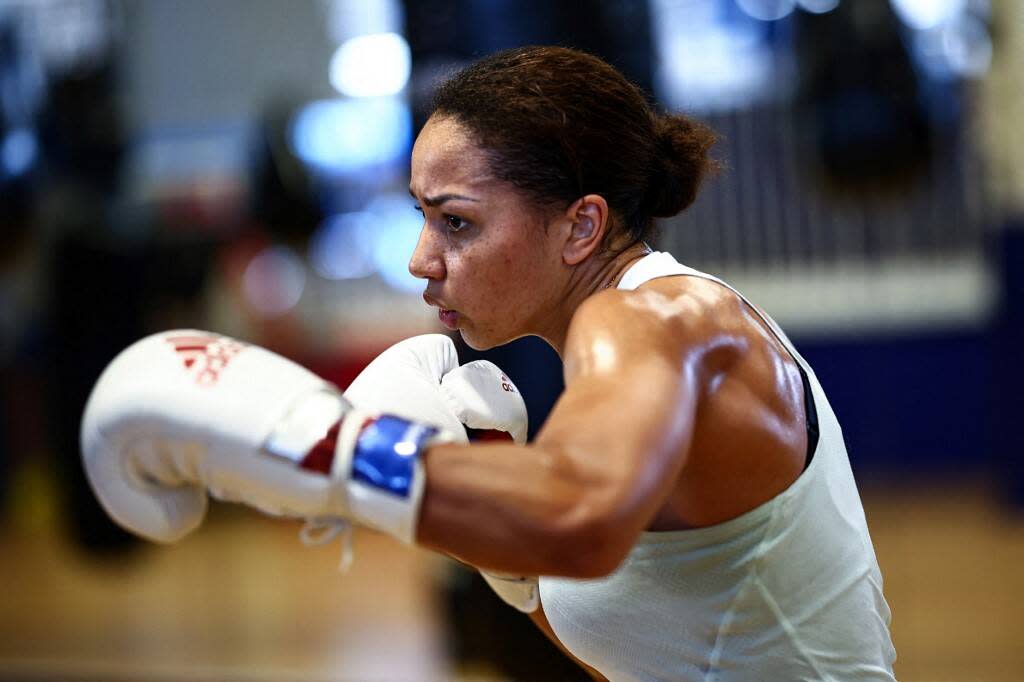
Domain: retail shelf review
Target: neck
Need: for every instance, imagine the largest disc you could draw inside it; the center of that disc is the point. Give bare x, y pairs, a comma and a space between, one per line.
591, 277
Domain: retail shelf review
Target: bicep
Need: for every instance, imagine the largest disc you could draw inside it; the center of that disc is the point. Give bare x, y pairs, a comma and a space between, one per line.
624, 431
574, 501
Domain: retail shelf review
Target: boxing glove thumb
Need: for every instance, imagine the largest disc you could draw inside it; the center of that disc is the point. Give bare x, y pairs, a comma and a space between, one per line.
484, 398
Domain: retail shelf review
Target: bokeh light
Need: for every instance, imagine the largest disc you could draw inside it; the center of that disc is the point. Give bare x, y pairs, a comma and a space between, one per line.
926, 14
352, 135
767, 10
371, 66
398, 230
18, 152
342, 247
273, 281
818, 6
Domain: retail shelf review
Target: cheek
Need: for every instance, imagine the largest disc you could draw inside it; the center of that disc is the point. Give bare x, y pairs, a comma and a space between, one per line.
495, 286
517, 294
500, 277
493, 282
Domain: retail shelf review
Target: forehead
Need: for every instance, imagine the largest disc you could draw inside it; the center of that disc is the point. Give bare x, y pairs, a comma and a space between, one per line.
444, 156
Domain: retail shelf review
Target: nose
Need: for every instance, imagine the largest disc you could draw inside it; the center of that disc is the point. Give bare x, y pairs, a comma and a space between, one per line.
427, 261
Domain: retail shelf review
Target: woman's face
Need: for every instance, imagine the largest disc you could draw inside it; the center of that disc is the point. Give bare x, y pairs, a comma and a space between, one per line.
492, 264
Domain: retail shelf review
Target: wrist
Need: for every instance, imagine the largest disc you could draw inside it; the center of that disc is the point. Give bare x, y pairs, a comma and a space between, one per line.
383, 474
379, 472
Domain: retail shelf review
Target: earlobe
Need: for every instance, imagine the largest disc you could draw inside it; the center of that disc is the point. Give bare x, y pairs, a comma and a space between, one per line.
589, 223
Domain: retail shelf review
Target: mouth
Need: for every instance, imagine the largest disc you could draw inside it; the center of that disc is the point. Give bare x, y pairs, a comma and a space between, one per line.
448, 317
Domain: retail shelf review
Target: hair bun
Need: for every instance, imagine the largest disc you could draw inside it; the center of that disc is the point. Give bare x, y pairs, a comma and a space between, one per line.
680, 163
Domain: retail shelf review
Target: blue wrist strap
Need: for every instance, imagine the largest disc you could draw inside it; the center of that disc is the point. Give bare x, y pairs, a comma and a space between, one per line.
386, 452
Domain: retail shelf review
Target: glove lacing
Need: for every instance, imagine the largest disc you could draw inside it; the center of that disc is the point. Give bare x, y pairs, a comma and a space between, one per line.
319, 531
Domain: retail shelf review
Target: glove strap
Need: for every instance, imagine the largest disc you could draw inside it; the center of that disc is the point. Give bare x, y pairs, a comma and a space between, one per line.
384, 478
387, 453
375, 460
322, 531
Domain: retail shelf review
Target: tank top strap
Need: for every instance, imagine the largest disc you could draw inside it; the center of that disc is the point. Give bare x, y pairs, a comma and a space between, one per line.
663, 264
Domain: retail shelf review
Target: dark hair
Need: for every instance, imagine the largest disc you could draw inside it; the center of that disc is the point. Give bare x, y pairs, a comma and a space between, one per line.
559, 123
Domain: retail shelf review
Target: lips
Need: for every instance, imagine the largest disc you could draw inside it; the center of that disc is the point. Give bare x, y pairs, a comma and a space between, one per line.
448, 317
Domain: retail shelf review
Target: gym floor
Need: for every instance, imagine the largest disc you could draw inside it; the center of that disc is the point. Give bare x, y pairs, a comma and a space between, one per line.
243, 599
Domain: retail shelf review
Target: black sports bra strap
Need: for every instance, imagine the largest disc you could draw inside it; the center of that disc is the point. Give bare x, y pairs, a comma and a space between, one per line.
813, 432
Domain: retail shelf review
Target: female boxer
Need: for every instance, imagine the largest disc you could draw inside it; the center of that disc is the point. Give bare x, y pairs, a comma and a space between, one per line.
689, 503
691, 484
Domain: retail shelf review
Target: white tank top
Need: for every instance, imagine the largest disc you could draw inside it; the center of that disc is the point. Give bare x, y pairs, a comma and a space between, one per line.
790, 590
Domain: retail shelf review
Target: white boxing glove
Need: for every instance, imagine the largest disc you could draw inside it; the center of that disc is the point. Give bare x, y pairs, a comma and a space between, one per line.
421, 379
183, 412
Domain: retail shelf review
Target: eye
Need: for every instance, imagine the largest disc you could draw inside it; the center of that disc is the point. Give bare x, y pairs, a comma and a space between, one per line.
418, 208
454, 223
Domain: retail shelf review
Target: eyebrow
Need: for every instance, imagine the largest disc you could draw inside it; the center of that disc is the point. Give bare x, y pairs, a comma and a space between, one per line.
441, 198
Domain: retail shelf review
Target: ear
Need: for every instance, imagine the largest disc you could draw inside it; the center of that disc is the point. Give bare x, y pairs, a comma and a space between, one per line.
588, 217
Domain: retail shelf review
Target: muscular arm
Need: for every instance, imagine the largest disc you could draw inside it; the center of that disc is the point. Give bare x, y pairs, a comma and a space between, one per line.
573, 502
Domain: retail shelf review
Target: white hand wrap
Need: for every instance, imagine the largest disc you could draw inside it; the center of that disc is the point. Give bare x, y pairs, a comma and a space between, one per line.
519, 591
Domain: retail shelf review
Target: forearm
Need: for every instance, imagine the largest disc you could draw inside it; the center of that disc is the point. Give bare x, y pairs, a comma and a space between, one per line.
501, 506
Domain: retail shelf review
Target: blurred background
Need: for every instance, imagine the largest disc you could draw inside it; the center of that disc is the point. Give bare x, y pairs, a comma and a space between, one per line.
242, 166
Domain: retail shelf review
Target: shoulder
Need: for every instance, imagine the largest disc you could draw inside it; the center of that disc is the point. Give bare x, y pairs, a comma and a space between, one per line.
673, 319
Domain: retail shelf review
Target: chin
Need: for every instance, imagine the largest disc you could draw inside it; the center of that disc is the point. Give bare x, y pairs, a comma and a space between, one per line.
482, 342
475, 342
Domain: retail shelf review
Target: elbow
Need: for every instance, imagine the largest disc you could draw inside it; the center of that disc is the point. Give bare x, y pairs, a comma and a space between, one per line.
592, 547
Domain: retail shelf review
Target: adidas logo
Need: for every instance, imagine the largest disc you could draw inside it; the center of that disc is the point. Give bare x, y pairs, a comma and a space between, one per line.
205, 355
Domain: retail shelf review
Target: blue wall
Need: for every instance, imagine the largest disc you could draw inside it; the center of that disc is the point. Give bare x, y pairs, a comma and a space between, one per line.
910, 403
